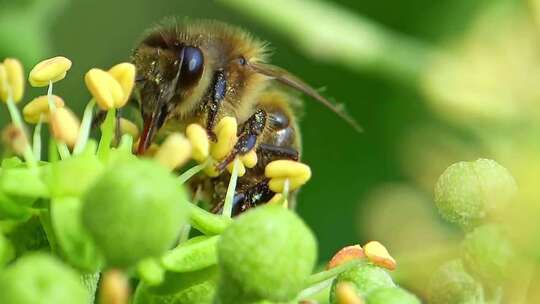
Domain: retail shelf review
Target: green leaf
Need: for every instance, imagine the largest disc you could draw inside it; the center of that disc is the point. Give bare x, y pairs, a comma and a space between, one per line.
72, 239
195, 254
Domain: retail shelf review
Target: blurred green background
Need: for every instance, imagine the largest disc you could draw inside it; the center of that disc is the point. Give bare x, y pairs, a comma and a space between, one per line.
350, 170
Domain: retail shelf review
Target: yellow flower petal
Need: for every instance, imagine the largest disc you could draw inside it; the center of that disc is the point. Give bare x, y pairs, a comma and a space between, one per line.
199, 141
49, 70
65, 126
226, 138
249, 159
124, 73
379, 256
128, 127
287, 168
104, 88
174, 152
39, 107
14, 80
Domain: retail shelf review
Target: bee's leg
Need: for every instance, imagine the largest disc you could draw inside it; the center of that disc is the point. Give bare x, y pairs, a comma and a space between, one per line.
256, 195
271, 152
219, 87
247, 137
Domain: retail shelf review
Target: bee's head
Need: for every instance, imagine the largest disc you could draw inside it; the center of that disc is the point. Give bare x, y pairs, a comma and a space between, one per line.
167, 73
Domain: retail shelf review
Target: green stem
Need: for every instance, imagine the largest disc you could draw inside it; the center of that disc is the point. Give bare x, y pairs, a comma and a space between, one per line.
85, 128
329, 274
344, 37
228, 204
107, 133
53, 152
191, 172
17, 121
36, 145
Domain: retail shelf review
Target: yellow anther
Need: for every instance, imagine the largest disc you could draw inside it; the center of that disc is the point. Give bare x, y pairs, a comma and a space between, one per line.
128, 127
379, 256
281, 170
104, 88
346, 294
39, 107
12, 80
226, 138
199, 142
241, 168
49, 70
114, 288
277, 184
174, 152
15, 138
249, 159
124, 73
65, 126
345, 255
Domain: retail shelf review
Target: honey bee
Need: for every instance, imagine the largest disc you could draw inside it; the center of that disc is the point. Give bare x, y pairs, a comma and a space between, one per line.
199, 72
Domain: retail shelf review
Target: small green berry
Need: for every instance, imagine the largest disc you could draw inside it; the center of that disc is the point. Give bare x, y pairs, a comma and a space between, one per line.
487, 253
452, 284
391, 295
267, 253
468, 192
134, 211
365, 277
41, 279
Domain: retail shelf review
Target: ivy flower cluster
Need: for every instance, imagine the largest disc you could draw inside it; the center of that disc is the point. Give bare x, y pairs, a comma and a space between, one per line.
95, 212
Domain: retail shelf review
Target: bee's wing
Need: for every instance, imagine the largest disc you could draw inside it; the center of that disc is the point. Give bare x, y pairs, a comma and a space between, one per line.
288, 79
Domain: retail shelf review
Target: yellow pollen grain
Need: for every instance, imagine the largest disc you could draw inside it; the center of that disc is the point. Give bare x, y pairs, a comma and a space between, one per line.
379, 255
65, 126
174, 152
104, 88
226, 138
124, 73
39, 107
249, 159
241, 168
199, 141
49, 70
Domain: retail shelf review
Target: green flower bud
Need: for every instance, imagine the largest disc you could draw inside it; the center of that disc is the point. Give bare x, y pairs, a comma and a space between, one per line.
467, 192
366, 277
487, 253
41, 279
134, 211
452, 284
391, 295
267, 253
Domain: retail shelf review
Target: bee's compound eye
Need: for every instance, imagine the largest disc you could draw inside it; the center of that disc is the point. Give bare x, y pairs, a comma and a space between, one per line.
192, 66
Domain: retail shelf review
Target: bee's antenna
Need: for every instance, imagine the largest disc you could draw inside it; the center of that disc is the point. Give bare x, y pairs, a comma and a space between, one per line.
288, 79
